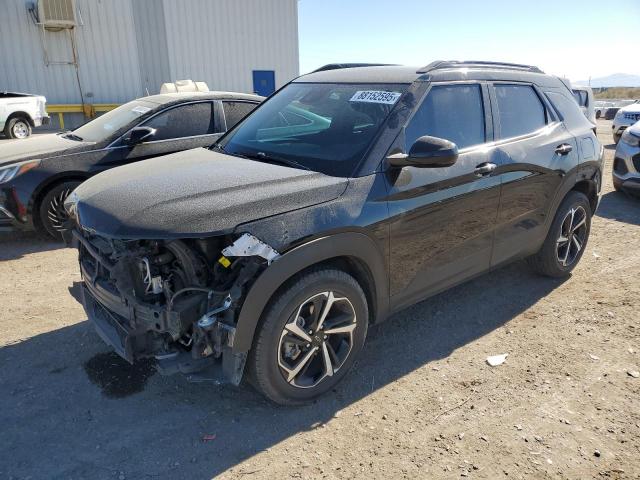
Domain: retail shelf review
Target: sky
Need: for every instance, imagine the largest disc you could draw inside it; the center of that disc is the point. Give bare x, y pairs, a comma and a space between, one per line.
572, 38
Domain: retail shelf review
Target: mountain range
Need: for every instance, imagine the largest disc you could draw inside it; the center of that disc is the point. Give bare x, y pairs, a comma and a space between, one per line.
615, 80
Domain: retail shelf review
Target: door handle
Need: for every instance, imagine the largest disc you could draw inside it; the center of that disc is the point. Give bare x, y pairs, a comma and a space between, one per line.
485, 169
564, 149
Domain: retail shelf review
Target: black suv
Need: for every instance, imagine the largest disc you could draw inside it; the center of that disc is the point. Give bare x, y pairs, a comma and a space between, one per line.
348, 195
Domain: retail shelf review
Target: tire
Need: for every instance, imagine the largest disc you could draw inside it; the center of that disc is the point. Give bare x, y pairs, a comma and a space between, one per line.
560, 252
278, 351
51, 211
18, 128
616, 138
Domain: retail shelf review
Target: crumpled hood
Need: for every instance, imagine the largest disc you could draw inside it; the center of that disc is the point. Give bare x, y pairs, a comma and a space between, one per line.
195, 193
39, 146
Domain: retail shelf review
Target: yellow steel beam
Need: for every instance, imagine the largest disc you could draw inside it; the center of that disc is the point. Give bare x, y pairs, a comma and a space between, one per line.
105, 107
64, 108
77, 107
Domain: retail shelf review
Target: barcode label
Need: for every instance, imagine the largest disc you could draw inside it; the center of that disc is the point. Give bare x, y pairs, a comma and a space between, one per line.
375, 96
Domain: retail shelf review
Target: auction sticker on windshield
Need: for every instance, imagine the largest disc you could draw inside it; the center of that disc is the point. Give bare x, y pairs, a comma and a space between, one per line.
376, 96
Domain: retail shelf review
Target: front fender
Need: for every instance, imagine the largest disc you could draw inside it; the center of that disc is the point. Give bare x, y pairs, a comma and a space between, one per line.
349, 244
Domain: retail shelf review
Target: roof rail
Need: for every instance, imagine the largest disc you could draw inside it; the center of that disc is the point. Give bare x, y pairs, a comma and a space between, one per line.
441, 64
338, 66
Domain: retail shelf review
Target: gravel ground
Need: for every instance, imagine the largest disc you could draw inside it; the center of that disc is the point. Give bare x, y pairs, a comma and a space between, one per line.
421, 402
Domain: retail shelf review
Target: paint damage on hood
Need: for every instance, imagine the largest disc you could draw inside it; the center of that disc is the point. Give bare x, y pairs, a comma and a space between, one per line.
195, 193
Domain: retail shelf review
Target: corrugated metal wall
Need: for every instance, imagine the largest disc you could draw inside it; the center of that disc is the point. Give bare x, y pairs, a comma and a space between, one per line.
107, 54
151, 35
222, 45
125, 48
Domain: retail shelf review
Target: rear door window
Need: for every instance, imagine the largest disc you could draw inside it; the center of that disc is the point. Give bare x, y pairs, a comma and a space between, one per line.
520, 110
236, 111
188, 120
452, 112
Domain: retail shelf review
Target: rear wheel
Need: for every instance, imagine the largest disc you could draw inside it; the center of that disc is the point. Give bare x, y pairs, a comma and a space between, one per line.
52, 213
310, 337
17, 127
567, 238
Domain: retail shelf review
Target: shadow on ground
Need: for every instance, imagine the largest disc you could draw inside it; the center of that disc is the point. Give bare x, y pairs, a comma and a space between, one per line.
620, 207
61, 418
14, 245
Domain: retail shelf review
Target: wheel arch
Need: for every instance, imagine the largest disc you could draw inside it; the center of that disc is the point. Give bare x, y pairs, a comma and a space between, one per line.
20, 113
590, 189
355, 253
48, 184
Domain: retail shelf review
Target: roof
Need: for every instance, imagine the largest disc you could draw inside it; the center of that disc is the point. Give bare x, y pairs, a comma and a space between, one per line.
435, 72
377, 74
336, 66
186, 96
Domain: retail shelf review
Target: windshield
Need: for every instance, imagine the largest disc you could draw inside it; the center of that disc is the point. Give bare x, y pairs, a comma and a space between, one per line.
323, 127
112, 122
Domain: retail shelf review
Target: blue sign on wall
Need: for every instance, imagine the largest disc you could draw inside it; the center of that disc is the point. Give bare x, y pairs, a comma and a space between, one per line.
264, 82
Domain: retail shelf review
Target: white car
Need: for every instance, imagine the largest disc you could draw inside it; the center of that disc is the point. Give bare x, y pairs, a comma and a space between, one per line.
625, 117
20, 112
601, 107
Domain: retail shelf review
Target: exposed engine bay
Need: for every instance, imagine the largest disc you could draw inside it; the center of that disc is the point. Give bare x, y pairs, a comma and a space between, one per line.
175, 300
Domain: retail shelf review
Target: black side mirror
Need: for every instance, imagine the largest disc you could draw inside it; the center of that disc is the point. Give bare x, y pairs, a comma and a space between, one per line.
427, 152
139, 135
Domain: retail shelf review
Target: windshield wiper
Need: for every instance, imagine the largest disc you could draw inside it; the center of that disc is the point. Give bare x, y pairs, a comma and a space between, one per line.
264, 157
72, 136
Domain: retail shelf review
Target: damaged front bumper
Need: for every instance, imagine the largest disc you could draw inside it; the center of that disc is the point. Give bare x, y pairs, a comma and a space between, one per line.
188, 329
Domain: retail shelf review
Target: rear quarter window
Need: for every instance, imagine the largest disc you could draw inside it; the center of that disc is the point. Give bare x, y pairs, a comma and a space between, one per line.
568, 109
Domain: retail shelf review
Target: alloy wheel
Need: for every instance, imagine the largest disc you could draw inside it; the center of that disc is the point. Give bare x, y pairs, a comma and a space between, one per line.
56, 213
20, 129
573, 233
317, 340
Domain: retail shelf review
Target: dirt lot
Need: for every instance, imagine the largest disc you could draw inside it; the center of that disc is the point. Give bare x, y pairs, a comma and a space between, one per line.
421, 402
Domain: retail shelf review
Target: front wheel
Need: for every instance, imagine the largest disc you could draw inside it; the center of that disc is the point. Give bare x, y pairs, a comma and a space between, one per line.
567, 238
52, 213
310, 337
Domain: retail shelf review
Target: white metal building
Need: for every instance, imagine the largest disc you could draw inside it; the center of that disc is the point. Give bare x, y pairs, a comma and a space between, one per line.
118, 50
